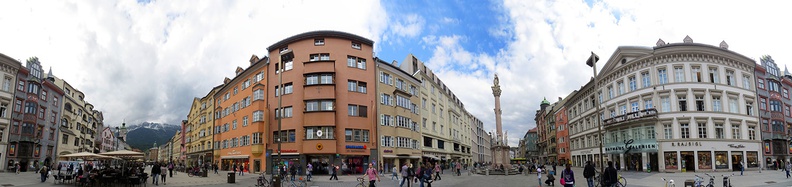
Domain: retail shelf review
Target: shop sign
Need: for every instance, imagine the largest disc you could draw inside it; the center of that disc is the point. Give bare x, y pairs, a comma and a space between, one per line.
388, 151
234, 152
685, 144
767, 148
356, 146
631, 145
736, 146
319, 146
288, 150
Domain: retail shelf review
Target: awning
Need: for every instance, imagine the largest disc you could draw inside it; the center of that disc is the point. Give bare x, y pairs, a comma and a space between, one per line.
431, 156
395, 156
235, 156
284, 154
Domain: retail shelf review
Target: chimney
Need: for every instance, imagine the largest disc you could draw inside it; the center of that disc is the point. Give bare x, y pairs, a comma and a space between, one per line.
226, 80
559, 99
253, 59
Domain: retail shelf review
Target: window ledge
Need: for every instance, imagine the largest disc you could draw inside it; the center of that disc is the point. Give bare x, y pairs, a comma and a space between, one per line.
331, 60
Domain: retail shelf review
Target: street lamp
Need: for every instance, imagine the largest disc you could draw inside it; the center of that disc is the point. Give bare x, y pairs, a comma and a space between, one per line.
592, 62
116, 138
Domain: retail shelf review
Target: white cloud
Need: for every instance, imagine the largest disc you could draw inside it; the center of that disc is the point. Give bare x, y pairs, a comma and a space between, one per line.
409, 25
145, 62
549, 41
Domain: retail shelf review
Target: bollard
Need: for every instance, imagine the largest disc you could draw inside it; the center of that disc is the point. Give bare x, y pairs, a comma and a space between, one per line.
487, 171
506, 171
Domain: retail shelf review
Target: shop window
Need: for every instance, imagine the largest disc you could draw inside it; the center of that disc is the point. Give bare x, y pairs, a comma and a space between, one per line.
704, 160
670, 160
752, 158
721, 160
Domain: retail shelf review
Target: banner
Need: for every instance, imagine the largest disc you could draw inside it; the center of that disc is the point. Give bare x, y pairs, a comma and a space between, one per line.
767, 147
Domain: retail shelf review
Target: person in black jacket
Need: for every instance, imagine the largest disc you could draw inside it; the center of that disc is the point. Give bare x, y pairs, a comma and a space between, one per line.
588, 173
155, 172
610, 176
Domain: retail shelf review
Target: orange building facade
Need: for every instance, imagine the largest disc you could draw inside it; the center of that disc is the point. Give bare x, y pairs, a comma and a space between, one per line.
328, 101
241, 115
562, 132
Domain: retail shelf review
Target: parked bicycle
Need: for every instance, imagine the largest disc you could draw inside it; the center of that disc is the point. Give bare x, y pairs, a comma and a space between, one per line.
262, 181
300, 182
621, 181
697, 182
727, 180
711, 180
361, 182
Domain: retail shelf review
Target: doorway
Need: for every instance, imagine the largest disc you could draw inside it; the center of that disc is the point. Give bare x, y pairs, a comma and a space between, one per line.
688, 161
736, 157
23, 166
653, 162
257, 165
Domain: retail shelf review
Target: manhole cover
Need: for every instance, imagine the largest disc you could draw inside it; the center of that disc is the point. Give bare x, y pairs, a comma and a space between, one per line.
770, 182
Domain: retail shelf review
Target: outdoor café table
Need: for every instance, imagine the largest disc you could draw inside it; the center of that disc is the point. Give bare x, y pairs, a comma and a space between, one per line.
134, 178
106, 180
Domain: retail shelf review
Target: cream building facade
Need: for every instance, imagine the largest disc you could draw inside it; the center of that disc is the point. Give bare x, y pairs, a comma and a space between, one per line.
199, 139
399, 115
80, 124
8, 68
674, 107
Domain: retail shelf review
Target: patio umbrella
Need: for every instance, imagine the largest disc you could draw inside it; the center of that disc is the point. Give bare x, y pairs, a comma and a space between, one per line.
123, 153
84, 155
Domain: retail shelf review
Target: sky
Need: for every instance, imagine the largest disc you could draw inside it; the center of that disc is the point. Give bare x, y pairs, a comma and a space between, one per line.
146, 60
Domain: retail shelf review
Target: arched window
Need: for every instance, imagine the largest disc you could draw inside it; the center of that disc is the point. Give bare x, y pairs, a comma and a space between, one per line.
68, 107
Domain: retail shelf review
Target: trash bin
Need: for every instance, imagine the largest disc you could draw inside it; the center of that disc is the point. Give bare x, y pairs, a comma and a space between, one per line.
689, 183
231, 177
276, 181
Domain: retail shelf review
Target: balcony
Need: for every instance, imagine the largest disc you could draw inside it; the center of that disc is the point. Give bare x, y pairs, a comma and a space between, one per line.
319, 66
632, 116
257, 149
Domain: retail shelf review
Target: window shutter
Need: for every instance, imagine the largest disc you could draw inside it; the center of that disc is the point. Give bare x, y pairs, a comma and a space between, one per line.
382, 141
382, 119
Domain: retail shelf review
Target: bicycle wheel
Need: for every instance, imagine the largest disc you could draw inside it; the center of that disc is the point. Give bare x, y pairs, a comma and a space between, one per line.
622, 182
303, 184
360, 185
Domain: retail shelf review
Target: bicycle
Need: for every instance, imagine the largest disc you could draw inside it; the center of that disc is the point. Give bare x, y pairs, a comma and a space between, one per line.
300, 182
668, 182
697, 181
262, 181
622, 182
727, 180
361, 182
711, 180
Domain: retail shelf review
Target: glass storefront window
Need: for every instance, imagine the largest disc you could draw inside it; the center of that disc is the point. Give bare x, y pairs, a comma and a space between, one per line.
721, 160
753, 159
670, 160
705, 160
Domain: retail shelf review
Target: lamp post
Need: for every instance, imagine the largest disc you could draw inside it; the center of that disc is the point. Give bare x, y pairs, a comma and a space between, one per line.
592, 62
279, 110
116, 138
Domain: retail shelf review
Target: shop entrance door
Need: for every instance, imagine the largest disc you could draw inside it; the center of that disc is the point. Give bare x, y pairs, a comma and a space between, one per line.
653, 162
688, 162
257, 165
736, 157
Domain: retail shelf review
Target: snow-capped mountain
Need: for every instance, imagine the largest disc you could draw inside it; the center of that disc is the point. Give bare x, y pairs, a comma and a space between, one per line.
144, 135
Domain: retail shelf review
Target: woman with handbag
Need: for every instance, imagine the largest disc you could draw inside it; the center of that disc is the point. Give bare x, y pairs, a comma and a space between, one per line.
568, 177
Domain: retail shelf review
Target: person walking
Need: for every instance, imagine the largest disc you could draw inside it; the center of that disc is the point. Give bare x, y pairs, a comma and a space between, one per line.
170, 169
588, 173
742, 168
310, 170
437, 172
568, 176
788, 167
293, 171
405, 175
395, 171
43, 172
371, 172
215, 167
427, 175
163, 168
458, 169
155, 172
610, 177
334, 172
241, 169
539, 175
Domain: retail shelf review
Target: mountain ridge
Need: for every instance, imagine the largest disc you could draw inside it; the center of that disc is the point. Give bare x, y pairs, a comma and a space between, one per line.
143, 136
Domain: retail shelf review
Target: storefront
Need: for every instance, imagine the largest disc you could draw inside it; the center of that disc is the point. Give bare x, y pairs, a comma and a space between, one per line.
581, 156
633, 154
397, 157
691, 156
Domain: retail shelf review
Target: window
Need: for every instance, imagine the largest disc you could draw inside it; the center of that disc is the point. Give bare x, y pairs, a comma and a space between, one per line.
747, 82
786, 110
404, 102
610, 92
386, 99
775, 105
716, 104
258, 116
714, 78
730, 78
761, 83
662, 78
685, 130
702, 130
648, 104
42, 111
355, 45
356, 135
621, 87
358, 110
733, 105
665, 103
319, 105
287, 112
43, 95
356, 62
319, 41
762, 104
244, 121
634, 106
21, 86
699, 103
646, 79
259, 94
256, 138
30, 108
624, 109
7, 84
633, 84
719, 131
696, 74
386, 141
386, 78
736, 132
288, 88
679, 74
749, 108
386, 120
236, 90
650, 133
319, 133
284, 136
356, 86
752, 133
682, 103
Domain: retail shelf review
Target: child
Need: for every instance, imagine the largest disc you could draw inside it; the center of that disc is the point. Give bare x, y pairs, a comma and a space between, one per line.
550, 180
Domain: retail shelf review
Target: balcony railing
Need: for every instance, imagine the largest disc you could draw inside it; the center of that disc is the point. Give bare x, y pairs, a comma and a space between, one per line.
647, 113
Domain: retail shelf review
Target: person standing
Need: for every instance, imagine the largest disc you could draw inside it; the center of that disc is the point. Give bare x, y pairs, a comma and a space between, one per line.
155, 172
163, 168
395, 171
215, 167
539, 175
241, 169
458, 169
43, 171
610, 177
170, 169
437, 172
568, 176
334, 172
310, 170
588, 173
405, 175
371, 172
293, 171
742, 168
788, 167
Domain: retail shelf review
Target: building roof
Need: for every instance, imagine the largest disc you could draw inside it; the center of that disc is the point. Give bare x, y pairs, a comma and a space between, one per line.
545, 102
320, 34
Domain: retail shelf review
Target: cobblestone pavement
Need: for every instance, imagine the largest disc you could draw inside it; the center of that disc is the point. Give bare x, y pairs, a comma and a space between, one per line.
637, 179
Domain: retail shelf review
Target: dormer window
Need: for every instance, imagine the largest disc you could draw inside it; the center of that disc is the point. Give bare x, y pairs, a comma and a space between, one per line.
355, 45
319, 41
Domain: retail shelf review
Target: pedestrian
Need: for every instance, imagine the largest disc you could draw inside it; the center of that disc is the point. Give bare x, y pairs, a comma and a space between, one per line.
155, 172
310, 171
16, 167
293, 171
539, 175
437, 172
163, 176
588, 173
742, 168
395, 171
610, 177
371, 172
241, 169
427, 175
418, 177
43, 172
788, 167
568, 177
170, 169
458, 169
404, 175
234, 167
334, 172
